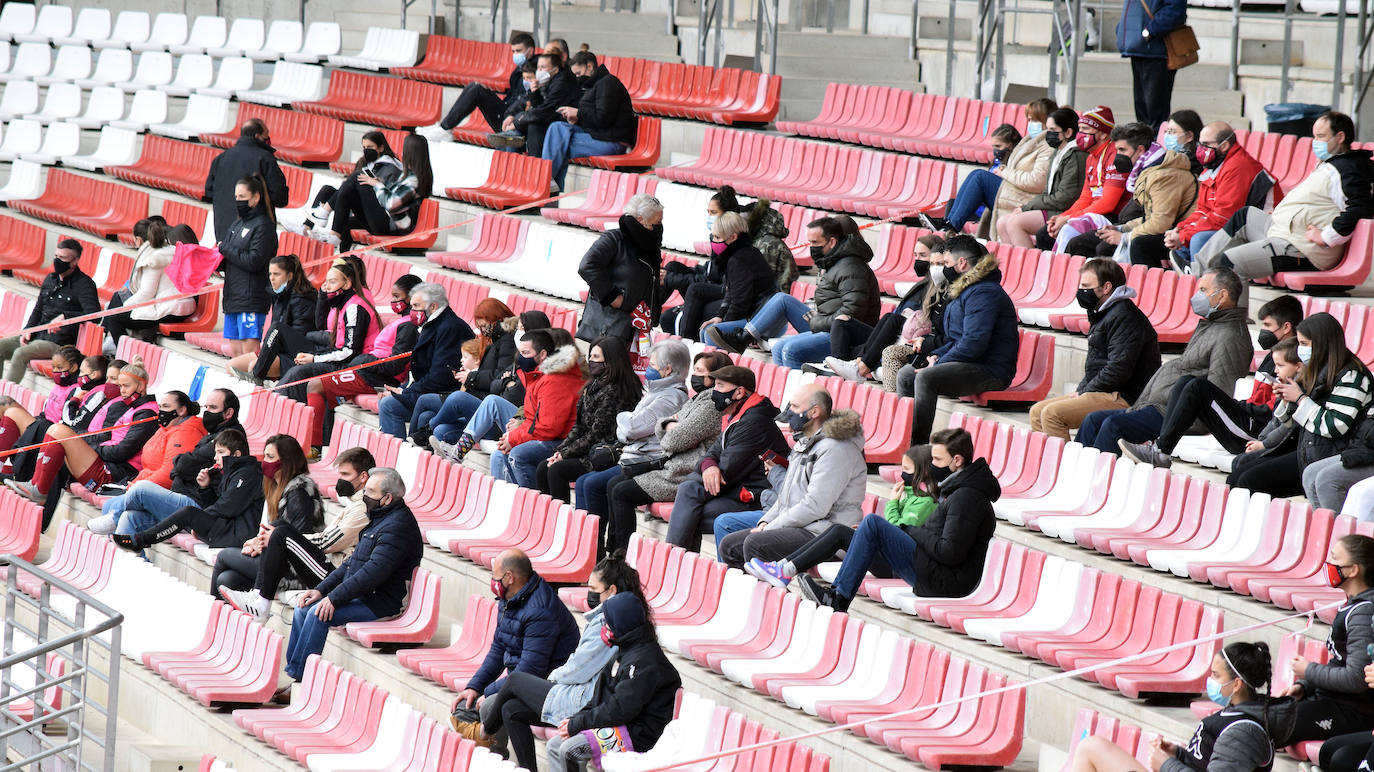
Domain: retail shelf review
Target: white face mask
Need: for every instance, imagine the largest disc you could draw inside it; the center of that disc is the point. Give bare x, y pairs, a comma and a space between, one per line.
542, 76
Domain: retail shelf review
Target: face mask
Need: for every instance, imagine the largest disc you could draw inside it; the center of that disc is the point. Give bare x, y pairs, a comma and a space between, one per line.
606, 636
999, 156
1333, 575
518, 59
652, 374
498, 589
526, 364
344, 488
60, 266
370, 154
1202, 306
1085, 142
373, 505
940, 473
795, 421
418, 318
1209, 157
211, 421
270, 468
85, 382
64, 379
1033, 129
908, 478
1304, 353
817, 253
279, 290
166, 417
951, 273
710, 223
938, 278
332, 296
400, 307
722, 399
1172, 142
1123, 163
541, 76
717, 247
593, 600
1214, 693
243, 208
132, 398
596, 369
922, 268
1320, 149
1267, 339
1054, 139
1087, 299
699, 384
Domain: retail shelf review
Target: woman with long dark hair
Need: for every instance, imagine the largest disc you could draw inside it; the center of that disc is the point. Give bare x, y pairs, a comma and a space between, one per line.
247, 249
382, 207
293, 316
348, 322
378, 161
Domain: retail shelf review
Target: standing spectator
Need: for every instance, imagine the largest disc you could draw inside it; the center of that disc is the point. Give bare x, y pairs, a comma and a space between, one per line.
440, 343
1219, 351
554, 86
149, 281
1123, 352
981, 340
293, 315
1140, 38
475, 96
384, 208
1067, 170
602, 123
622, 271
1224, 188
247, 248
66, 293
252, 155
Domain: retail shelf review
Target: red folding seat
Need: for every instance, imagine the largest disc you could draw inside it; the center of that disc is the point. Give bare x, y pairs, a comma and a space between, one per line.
378, 100
23, 521
21, 244
441, 62
453, 664
644, 154
1033, 383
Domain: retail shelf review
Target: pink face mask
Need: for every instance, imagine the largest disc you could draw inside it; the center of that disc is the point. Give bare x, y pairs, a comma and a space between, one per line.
606, 636
717, 247
1085, 142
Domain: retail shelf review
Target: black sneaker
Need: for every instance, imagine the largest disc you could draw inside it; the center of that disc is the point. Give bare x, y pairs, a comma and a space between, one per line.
1180, 263
421, 436
734, 342
821, 596
504, 141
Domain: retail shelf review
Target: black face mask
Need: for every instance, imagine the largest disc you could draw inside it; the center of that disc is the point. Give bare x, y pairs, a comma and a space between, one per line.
908, 478
243, 208
344, 488
940, 473
593, 599
1054, 139
922, 268
817, 253
211, 421
795, 421
699, 384
596, 369
373, 505
65, 379
951, 273
60, 266
1123, 163
1267, 339
1087, 299
722, 399
166, 417
370, 154
526, 364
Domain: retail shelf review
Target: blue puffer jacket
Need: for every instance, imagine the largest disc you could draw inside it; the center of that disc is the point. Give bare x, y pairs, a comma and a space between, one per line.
980, 322
535, 633
1168, 14
378, 571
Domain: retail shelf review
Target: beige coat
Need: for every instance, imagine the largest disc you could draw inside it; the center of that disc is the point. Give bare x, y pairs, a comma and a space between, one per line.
149, 280
1025, 173
1167, 192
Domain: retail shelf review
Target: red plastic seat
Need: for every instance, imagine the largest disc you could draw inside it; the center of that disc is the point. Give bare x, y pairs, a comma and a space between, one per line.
106, 209
1352, 271
236, 662
455, 61
379, 100
22, 244
644, 154
1034, 372
298, 137
421, 236
514, 180
169, 164
453, 665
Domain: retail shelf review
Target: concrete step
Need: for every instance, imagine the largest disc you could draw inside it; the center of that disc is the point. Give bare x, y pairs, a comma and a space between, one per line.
820, 46
1207, 103
794, 87
1108, 69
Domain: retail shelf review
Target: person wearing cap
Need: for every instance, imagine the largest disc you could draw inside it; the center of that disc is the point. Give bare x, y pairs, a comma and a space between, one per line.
731, 476
1067, 170
639, 690
1104, 186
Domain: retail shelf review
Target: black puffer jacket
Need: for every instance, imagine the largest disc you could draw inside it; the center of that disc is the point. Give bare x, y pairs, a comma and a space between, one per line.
737, 448
247, 157
624, 263
69, 298
295, 310
847, 286
378, 572
597, 406
560, 91
496, 360
605, 110
639, 696
953, 542
1123, 348
749, 280
238, 505
248, 246
535, 633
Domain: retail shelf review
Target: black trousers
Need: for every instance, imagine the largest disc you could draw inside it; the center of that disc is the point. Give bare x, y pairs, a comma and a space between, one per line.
623, 497
848, 338
1089, 245
826, 546
1319, 718
870, 350
119, 325
1345, 752
193, 519
1278, 474
1194, 398
234, 570
287, 549
701, 301
356, 203
770, 544
518, 706
281, 344
1148, 250
557, 479
475, 96
1154, 88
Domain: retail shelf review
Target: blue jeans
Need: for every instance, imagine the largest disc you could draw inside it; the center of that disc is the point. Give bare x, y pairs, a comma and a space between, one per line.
730, 522
518, 466
308, 632
772, 319
979, 189
457, 409
1195, 245
426, 407
143, 506
796, 350
590, 493
394, 411
1101, 429
875, 537
489, 419
564, 142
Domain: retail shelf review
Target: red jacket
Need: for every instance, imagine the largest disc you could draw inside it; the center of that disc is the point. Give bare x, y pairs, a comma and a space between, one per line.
550, 399
1104, 188
1221, 192
167, 443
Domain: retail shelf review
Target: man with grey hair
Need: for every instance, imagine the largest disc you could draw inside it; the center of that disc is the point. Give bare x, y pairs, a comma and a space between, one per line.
438, 353
372, 583
622, 274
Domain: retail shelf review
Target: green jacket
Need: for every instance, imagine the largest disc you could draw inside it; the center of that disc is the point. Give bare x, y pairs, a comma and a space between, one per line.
911, 509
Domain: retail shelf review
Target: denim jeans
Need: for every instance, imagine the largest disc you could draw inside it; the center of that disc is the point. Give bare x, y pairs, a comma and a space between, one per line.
1195, 245
979, 189
564, 142
876, 537
518, 466
730, 522
489, 419
143, 506
308, 632
394, 411
457, 409
426, 407
779, 311
797, 350
1102, 429
590, 493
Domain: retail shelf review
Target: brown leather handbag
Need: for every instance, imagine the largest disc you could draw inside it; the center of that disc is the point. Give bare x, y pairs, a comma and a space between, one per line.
1180, 44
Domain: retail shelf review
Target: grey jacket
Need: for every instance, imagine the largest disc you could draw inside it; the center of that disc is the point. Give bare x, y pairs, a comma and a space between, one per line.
574, 683
636, 428
1220, 351
1342, 677
698, 424
826, 478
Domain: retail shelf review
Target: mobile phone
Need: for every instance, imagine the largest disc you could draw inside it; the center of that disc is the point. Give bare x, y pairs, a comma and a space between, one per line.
772, 456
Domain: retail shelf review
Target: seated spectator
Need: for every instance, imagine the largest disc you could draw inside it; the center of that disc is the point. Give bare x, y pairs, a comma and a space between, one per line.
233, 516
1181, 133
847, 292
683, 440
621, 269
493, 107
148, 282
911, 504
640, 691
558, 46
611, 389
602, 123
682, 277
526, 700
824, 486
382, 208
1224, 188
858, 359
549, 413
1309, 229
439, 346
1219, 350
1022, 163
1104, 188
748, 279
1123, 352
291, 498
1163, 191
554, 86
1067, 167
1321, 408
66, 293
372, 583
731, 475
941, 558
247, 249
309, 557
68, 370
767, 229
252, 154
293, 318
1233, 423
493, 373
535, 633
1331, 482
1233, 738
923, 331
980, 337
179, 429
377, 161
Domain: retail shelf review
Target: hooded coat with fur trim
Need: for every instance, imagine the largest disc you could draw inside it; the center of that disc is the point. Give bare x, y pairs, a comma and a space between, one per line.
826, 477
980, 322
550, 399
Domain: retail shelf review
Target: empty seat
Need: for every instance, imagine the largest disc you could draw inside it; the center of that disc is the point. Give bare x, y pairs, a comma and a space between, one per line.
54, 21
283, 37
382, 48
206, 32
194, 72
245, 34
323, 39
91, 24
17, 19
21, 136
297, 136
63, 101
20, 99
106, 209
291, 82
129, 27
105, 104
377, 100
234, 77
113, 66
204, 115
61, 141
25, 182
72, 63
169, 29
28, 61
154, 71
149, 106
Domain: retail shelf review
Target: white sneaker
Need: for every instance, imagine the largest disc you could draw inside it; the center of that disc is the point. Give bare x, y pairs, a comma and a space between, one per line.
103, 525
878, 375
296, 227
435, 133
846, 370
249, 602
320, 213
324, 236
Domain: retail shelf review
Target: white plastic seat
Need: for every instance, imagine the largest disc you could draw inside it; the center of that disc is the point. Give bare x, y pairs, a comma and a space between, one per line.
235, 75
291, 82
21, 136
17, 19
30, 61
62, 102
129, 27
20, 99
72, 64
169, 29
105, 104
204, 115
194, 72
60, 141
149, 107
323, 39
383, 47
113, 66
54, 21
206, 32
283, 37
91, 24
154, 71
6, 53
117, 147
245, 35
25, 182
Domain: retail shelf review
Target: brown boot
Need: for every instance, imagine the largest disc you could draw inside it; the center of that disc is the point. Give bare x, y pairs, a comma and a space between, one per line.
471, 730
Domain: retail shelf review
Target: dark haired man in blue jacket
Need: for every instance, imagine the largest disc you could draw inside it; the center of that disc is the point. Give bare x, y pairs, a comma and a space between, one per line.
1140, 38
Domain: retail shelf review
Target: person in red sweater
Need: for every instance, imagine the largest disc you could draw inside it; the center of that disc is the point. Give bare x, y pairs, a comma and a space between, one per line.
1104, 186
553, 379
179, 429
1224, 188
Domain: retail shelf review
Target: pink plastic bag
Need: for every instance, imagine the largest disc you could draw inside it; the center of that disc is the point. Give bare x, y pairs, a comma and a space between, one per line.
192, 265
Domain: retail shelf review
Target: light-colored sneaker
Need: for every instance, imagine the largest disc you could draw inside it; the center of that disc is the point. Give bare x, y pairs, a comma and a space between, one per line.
325, 237
848, 370
103, 525
26, 489
768, 572
1145, 453
435, 133
441, 448
249, 602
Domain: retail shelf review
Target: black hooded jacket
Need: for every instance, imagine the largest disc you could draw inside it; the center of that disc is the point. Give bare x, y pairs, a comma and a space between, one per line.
847, 285
605, 110
748, 280
238, 505
186, 466
953, 542
1123, 350
247, 157
737, 449
638, 696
